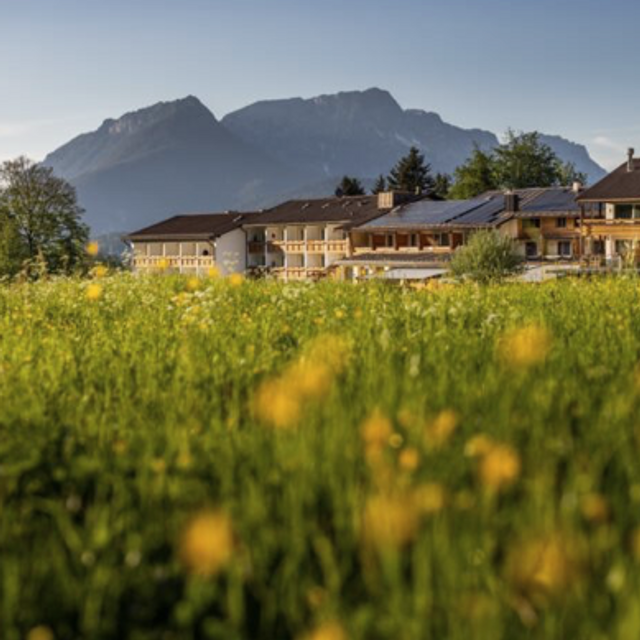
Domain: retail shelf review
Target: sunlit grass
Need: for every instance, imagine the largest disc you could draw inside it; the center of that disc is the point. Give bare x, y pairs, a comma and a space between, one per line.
231, 459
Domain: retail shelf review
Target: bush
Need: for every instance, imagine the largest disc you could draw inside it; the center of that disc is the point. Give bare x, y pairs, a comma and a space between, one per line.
489, 257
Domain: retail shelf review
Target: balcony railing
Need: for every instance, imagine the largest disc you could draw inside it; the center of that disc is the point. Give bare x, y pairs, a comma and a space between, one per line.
173, 262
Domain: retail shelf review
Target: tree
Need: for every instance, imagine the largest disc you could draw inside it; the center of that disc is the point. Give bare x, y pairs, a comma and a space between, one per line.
442, 185
523, 162
12, 249
380, 185
40, 217
488, 257
349, 187
411, 174
477, 175
568, 174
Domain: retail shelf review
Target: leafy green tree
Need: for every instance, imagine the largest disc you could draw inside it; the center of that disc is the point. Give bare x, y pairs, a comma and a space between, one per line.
380, 185
489, 256
442, 185
477, 175
411, 174
12, 249
523, 162
349, 187
41, 218
568, 174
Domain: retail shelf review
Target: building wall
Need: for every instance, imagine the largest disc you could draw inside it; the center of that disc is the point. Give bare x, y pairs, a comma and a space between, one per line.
231, 252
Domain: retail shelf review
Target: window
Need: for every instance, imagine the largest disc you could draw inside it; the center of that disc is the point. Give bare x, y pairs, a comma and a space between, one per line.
443, 239
531, 223
624, 212
413, 240
623, 247
564, 249
205, 252
389, 240
531, 249
561, 223
598, 247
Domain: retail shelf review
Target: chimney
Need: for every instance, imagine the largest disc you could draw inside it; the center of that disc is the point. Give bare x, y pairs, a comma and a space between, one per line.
391, 199
511, 202
577, 187
630, 154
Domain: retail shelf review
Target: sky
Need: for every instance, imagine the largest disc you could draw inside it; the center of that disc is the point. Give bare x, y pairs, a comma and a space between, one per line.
565, 67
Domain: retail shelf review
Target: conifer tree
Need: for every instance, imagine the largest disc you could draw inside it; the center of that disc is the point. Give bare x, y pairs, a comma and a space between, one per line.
411, 174
442, 185
380, 185
349, 187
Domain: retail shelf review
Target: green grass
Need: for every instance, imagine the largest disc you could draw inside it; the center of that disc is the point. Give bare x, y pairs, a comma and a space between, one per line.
122, 417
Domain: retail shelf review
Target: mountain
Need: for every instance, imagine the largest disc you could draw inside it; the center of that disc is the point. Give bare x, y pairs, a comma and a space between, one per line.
171, 157
362, 133
177, 157
576, 153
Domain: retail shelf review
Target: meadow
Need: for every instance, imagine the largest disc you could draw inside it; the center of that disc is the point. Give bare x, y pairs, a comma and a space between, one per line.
186, 459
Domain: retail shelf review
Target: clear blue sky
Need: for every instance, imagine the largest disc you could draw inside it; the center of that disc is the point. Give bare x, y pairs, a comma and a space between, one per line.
559, 66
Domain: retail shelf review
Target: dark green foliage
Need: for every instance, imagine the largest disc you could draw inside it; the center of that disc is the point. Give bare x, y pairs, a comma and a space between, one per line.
476, 176
40, 218
521, 162
349, 187
380, 185
411, 174
489, 256
442, 185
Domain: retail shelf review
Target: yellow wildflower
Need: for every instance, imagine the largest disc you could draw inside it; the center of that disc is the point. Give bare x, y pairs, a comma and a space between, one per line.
430, 498
213, 273
478, 446
94, 292
389, 521
438, 433
277, 404
525, 347
193, 284
206, 545
40, 633
595, 508
327, 631
236, 279
376, 430
544, 567
409, 459
499, 467
163, 264
93, 249
100, 271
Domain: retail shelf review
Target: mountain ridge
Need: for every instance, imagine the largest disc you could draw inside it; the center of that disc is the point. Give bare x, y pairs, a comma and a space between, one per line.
176, 156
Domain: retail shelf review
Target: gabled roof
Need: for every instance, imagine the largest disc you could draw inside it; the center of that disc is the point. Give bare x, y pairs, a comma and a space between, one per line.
348, 209
202, 225
487, 210
619, 185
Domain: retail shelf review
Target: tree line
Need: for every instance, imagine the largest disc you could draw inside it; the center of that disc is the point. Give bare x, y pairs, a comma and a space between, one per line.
522, 161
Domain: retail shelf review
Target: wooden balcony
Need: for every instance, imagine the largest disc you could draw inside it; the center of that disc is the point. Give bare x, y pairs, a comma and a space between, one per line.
337, 246
174, 263
256, 247
617, 229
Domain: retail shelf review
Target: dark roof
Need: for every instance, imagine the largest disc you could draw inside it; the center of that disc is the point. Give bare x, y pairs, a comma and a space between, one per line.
486, 210
349, 209
201, 225
620, 184
396, 259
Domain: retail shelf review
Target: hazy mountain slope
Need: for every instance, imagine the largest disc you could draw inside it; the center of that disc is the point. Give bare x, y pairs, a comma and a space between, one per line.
576, 153
158, 161
361, 132
176, 157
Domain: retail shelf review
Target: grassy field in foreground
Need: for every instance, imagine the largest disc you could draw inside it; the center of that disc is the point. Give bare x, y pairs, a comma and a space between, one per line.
234, 460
